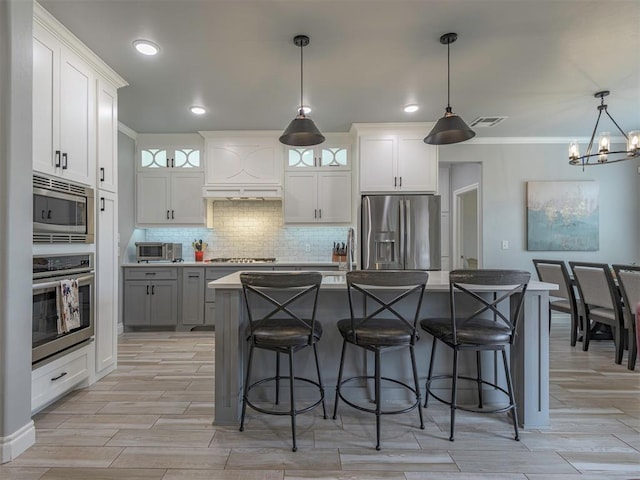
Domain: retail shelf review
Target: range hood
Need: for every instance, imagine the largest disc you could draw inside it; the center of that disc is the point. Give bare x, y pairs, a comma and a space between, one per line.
242, 192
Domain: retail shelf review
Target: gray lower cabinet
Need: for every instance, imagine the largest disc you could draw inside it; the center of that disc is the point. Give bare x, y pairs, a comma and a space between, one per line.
150, 297
192, 298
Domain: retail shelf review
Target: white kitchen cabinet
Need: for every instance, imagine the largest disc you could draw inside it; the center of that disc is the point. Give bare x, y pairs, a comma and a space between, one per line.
54, 379
317, 197
397, 163
254, 158
169, 198
63, 110
107, 136
171, 151
327, 156
106, 316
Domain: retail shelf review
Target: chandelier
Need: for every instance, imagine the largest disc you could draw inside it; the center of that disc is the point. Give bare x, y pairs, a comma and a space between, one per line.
604, 153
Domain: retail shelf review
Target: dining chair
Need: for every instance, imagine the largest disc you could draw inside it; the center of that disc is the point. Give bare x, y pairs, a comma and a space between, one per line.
601, 302
564, 299
384, 307
628, 277
478, 322
282, 318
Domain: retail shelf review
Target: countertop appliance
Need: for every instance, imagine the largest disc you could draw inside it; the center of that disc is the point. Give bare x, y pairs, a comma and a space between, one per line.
158, 251
401, 232
62, 211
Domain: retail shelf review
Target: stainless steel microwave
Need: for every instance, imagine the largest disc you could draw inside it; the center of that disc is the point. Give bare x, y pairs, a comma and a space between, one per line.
154, 251
62, 211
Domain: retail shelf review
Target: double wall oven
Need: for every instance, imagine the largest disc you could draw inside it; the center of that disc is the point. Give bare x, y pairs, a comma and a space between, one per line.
48, 273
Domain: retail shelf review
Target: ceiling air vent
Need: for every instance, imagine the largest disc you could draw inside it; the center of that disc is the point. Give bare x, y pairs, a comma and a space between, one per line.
486, 122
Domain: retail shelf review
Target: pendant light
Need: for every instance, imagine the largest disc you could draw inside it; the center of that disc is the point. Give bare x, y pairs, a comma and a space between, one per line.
301, 132
451, 128
604, 153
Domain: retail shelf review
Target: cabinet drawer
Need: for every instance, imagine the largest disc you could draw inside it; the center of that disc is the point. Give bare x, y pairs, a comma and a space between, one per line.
58, 377
151, 273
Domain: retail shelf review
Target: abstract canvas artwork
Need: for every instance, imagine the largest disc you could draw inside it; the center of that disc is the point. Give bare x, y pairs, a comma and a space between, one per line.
562, 216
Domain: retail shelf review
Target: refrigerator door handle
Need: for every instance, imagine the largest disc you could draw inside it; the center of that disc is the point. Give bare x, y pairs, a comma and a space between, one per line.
407, 230
403, 239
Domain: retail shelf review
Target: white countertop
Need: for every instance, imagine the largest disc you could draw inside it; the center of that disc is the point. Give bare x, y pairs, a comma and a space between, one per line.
335, 280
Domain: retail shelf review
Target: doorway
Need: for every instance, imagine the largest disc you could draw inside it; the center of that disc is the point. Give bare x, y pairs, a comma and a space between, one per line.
466, 227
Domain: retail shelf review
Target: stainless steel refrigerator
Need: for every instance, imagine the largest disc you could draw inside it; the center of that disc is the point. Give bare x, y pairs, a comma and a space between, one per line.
400, 232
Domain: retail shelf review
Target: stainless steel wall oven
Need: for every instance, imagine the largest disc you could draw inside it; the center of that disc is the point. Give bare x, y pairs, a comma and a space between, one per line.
48, 273
62, 211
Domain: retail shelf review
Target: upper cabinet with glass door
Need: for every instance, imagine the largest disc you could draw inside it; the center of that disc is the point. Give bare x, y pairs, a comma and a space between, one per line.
333, 154
171, 151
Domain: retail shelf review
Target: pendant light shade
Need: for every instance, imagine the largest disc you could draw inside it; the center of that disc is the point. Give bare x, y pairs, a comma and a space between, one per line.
451, 128
301, 132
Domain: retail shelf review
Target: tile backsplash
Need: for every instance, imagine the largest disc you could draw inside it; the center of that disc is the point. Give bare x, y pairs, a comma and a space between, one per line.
254, 229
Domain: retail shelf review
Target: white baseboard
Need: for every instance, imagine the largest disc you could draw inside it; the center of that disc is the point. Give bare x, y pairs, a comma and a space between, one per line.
13, 445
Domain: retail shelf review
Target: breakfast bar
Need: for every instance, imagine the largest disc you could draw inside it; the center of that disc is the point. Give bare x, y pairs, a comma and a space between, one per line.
529, 357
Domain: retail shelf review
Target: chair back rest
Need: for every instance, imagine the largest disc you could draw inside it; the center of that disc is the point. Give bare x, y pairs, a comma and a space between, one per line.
280, 295
502, 299
629, 282
389, 294
595, 284
555, 271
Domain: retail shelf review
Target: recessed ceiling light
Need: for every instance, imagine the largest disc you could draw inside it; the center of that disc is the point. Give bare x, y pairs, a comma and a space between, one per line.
146, 47
198, 110
411, 108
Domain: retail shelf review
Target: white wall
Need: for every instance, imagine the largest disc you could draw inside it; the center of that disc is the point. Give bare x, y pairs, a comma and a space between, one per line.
505, 170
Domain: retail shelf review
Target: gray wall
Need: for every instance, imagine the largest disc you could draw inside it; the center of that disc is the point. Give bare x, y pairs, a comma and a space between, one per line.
505, 170
15, 233
126, 202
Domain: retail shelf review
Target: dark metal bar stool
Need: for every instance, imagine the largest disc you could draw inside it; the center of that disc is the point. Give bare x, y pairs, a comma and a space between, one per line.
282, 318
381, 321
486, 327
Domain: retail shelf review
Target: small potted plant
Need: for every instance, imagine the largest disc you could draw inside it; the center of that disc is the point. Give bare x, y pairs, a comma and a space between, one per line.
199, 246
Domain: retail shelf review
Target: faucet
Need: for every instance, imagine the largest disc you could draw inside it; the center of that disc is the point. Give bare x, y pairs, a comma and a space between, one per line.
350, 249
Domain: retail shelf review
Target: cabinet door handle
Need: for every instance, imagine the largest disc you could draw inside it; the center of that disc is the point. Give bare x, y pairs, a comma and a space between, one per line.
173, 162
64, 161
150, 273
147, 289
167, 214
102, 174
58, 159
400, 182
153, 289
102, 204
320, 213
194, 276
49, 214
315, 213
42, 215
63, 374
172, 215
167, 163
395, 181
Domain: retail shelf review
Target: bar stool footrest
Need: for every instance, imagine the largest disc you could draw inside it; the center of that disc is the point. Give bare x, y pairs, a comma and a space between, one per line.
372, 410
465, 408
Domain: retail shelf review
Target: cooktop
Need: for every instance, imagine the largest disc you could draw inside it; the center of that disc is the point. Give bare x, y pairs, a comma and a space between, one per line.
241, 260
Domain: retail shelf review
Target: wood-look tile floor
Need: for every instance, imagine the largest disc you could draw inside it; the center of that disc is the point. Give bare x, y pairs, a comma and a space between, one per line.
152, 419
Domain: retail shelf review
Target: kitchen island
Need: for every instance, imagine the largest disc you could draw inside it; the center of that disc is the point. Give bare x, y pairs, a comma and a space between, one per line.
529, 359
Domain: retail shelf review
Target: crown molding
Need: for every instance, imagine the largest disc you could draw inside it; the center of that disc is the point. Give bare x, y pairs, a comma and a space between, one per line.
62, 33
122, 128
